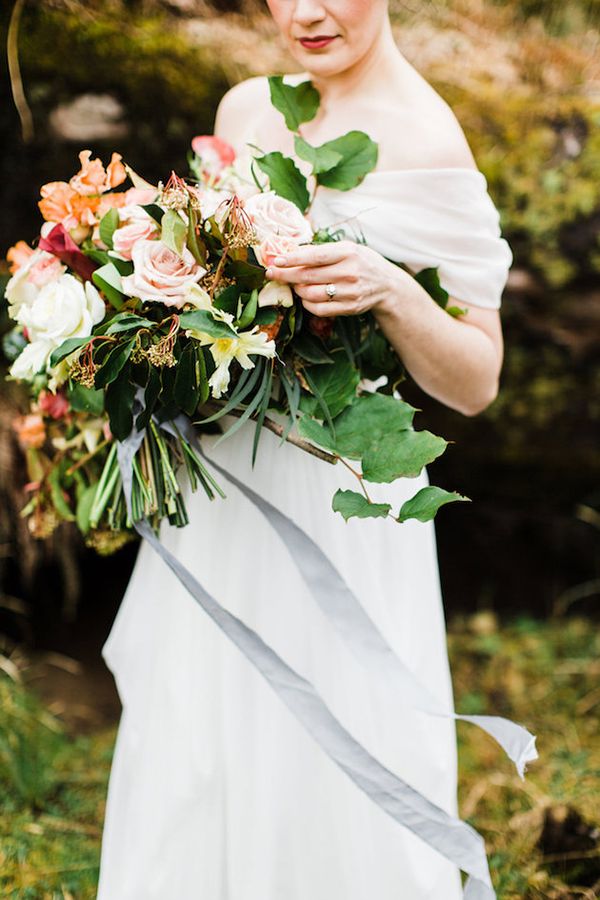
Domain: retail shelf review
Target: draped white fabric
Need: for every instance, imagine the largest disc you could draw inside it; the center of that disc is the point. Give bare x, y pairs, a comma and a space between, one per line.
216, 792
428, 217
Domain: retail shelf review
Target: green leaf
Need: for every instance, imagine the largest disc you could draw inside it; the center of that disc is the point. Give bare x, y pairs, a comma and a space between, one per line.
174, 231
85, 502
108, 225
401, 455
322, 158
196, 247
155, 211
457, 311
426, 502
353, 505
66, 348
318, 434
370, 418
285, 178
112, 364
311, 349
265, 316
202, 320
249, 311
359, 156
430, 281
297, 103
58, 498
119, 404
186, 392
335, 384
125, 321
108, 279
84, 399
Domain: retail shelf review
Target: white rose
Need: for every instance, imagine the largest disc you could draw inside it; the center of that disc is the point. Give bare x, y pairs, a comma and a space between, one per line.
63, 309
275, 293
31, 360
160, 275
19, 290
271, 214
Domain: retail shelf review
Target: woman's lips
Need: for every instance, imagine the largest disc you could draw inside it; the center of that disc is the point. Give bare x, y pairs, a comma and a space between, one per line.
317, 43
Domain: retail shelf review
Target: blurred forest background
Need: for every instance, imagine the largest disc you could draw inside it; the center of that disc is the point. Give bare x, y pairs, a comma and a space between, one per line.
523, 76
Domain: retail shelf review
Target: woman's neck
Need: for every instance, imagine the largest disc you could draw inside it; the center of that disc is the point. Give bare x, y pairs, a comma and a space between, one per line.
381, 66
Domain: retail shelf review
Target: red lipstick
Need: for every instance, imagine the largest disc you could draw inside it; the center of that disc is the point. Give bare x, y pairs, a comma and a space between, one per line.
318, 42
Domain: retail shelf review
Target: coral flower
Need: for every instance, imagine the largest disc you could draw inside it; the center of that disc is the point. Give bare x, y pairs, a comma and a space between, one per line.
18, 255
30, 430
92, 177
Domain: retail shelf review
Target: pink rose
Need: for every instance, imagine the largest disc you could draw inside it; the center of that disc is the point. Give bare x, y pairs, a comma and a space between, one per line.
273, 246
160, 275
271, 214
139, 227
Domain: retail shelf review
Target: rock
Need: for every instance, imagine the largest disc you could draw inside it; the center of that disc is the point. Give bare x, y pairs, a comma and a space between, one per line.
89, 117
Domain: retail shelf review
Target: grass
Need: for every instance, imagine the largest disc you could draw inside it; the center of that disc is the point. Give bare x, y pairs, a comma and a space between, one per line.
544, 674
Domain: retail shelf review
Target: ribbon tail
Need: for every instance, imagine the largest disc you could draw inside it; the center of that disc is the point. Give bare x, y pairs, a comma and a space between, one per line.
517, 742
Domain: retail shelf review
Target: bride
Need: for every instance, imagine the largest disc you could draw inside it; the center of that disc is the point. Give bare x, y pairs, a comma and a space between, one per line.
216, 792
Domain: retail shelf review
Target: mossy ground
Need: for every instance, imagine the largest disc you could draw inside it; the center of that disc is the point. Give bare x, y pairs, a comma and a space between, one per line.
543, 674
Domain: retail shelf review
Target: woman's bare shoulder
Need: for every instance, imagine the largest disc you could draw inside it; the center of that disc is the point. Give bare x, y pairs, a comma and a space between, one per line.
437, 139
238, 105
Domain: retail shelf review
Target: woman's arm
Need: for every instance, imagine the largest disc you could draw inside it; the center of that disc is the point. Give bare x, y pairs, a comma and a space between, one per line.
455, 360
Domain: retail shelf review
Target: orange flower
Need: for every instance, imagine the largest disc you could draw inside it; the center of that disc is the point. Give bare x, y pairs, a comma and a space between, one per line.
93, 179
56, 202
115, 171
18, 255
30, 430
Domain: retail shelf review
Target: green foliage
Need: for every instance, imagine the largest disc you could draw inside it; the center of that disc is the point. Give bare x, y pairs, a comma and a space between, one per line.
359, 156
285, 178
108, 224
297, 103
425, 504
354, 505
174, 231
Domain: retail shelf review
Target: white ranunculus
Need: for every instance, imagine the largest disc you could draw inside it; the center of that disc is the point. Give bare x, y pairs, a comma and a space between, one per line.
276, 293
271, 214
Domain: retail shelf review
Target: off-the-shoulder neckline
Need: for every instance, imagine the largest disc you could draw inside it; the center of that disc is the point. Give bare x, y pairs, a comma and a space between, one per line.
435, 169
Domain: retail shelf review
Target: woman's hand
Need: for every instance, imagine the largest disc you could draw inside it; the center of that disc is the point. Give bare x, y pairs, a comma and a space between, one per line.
363, 279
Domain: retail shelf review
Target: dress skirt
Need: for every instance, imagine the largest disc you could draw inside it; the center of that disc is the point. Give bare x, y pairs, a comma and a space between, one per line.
216, 792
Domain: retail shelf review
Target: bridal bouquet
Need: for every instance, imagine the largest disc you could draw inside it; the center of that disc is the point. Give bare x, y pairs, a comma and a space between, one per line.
144, 310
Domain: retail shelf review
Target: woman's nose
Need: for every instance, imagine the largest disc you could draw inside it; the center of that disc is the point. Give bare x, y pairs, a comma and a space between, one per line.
308, 12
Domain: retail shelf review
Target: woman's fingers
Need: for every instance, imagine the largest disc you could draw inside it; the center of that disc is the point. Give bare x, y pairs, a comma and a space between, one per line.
317, 293
308, 257
308, 275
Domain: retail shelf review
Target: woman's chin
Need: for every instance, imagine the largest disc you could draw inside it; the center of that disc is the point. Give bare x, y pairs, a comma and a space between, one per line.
324, 65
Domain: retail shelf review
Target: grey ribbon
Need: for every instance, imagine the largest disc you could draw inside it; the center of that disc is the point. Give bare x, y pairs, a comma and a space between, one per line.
349, 618
451, 837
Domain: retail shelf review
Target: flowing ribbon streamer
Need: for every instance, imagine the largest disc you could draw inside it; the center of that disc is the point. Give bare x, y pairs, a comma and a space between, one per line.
348, 617
454, 839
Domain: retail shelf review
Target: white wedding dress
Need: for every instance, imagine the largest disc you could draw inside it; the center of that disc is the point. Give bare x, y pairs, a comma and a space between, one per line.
216, 792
